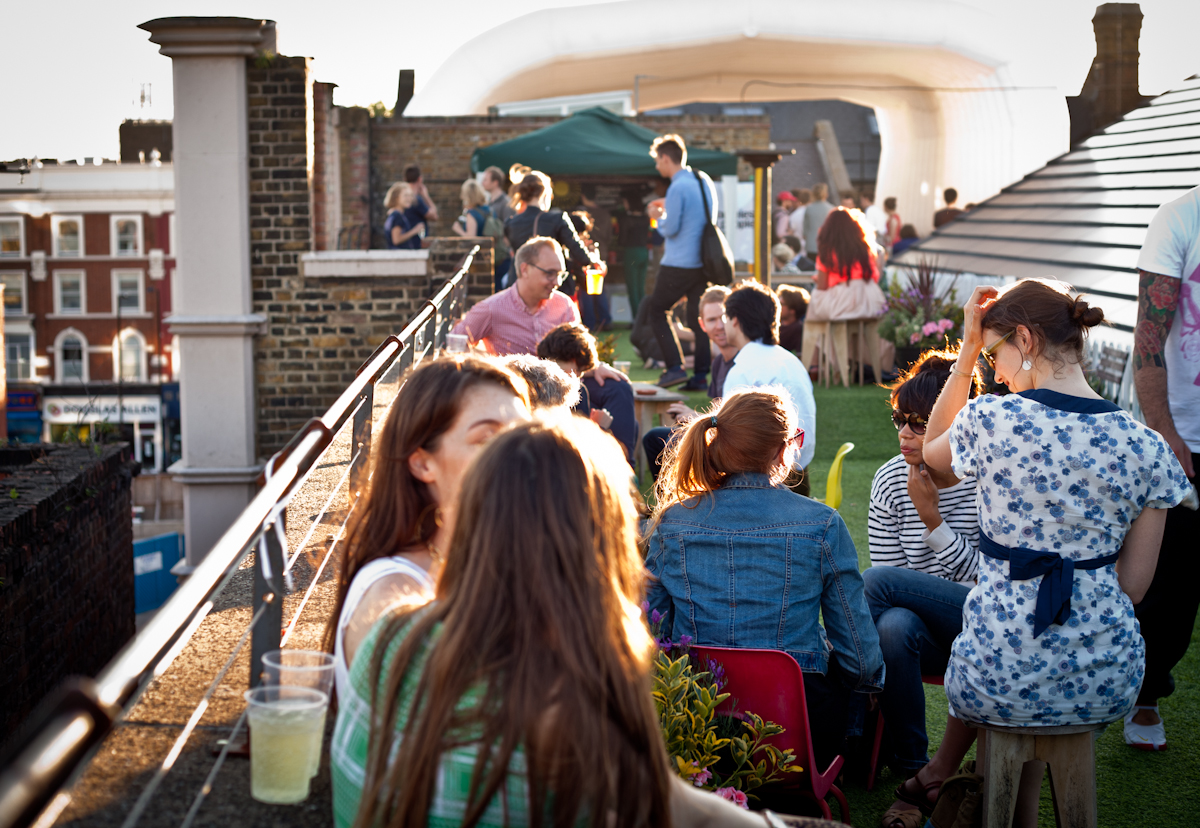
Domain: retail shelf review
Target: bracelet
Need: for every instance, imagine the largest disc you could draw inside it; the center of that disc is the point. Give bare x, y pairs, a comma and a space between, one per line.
954, 370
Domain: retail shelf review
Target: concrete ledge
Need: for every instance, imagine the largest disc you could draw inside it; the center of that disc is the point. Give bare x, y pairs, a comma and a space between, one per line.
353, 263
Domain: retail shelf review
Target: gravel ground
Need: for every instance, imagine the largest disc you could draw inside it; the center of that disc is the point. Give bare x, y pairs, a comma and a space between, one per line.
131, 755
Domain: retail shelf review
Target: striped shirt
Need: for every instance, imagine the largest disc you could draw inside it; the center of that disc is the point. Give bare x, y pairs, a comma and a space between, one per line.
898, 536
510, 327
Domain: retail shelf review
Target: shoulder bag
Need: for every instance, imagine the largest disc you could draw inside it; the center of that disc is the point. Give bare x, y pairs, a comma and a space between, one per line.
716, 259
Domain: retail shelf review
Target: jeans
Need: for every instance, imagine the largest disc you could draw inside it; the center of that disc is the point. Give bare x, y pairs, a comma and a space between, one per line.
672, 284
918, 616
594, 310
1167, 613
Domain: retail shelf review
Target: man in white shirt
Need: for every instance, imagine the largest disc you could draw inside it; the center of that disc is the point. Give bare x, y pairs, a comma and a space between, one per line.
752, 327
877, 217
796, 222
1166, 364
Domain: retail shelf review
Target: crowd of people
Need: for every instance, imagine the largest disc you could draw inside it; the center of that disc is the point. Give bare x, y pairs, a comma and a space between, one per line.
491, 642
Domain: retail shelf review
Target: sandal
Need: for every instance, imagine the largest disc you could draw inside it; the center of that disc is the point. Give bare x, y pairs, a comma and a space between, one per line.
896, 818
922, 800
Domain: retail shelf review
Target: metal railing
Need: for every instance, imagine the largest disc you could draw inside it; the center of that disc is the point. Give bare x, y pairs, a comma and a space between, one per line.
64, 733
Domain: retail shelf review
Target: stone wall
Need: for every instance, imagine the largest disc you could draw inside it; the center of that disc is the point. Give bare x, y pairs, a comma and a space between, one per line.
66, 570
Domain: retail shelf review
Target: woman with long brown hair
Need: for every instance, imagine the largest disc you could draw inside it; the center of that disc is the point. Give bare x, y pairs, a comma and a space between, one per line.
446, 410
847, 285
739, 560
522, 694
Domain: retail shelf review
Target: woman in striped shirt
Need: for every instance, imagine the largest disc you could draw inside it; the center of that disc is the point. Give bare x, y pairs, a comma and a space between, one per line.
923, 529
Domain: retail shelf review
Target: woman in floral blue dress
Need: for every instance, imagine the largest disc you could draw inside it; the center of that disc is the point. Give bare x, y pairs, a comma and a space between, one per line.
1072, 493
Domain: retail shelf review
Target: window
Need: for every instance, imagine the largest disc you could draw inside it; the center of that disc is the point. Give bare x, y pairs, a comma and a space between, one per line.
130, 356
12, 237
18, 349
127, 291
68, 235
14, 292
69, 292
126, 234
71, 364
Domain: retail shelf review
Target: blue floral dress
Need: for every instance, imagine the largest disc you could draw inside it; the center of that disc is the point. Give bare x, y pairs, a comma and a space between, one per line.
1067, 476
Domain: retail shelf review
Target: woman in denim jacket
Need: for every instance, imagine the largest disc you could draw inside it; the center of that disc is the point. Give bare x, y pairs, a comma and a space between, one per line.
740, 561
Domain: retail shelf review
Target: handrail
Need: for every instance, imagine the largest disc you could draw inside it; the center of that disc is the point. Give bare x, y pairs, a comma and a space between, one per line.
65, 731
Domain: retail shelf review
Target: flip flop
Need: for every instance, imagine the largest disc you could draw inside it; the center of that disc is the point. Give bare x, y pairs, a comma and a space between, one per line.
922, 801
896, 818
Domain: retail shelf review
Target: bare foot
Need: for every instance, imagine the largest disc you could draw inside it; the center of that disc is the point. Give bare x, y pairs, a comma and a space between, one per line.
1146, 716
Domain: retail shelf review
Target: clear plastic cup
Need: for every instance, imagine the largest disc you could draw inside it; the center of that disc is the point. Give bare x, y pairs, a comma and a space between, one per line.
456, 343
595, 281
302, 668
622, 365
283, 723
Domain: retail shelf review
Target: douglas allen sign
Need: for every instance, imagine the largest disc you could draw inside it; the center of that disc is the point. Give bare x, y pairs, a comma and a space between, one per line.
132, 409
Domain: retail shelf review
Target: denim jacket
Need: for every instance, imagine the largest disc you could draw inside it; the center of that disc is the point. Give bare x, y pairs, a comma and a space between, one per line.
752, 565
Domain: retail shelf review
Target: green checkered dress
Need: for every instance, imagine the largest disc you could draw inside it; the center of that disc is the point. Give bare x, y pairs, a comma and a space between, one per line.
348, 751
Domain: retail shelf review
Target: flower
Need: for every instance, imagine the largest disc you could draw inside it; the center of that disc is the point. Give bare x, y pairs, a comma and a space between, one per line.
944, 325
701, 776
655, 617
685, 641
735, 796
646, 607
914, 339
929, 328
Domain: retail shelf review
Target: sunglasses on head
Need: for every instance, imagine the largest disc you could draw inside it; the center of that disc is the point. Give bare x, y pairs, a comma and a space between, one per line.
798, 438
915, 423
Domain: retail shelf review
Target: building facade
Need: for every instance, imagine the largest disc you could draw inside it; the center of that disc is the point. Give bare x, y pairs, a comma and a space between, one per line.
86, 260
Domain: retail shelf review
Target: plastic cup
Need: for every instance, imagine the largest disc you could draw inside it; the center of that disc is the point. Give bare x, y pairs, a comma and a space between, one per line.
456, 343
622, 365
595, 281
286, 724
301, 668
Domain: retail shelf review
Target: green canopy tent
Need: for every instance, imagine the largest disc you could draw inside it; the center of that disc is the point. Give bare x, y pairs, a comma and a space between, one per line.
592, 142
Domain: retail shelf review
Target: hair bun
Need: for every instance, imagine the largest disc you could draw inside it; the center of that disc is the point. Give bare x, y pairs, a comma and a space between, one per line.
1087, 316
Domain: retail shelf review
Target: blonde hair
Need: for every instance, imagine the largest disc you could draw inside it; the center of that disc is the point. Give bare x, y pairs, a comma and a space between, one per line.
472, 193
392, 199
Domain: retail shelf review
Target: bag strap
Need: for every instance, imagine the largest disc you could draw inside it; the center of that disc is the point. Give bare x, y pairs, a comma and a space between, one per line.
704, 198
535, 222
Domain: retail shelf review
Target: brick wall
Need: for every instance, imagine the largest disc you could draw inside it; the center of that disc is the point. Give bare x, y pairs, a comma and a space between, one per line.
325, 208
354, 160
66, 571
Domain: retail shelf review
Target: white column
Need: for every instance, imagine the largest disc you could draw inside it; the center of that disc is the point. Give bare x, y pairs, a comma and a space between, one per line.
212, 312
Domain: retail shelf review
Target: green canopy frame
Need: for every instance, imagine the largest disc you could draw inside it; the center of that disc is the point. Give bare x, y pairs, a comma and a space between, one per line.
592, 142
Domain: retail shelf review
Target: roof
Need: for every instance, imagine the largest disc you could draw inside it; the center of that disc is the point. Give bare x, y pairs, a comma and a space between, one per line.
1082, 218
592, 142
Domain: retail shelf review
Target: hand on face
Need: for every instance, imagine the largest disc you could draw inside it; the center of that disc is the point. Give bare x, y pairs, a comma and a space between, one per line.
973, 312
924, 494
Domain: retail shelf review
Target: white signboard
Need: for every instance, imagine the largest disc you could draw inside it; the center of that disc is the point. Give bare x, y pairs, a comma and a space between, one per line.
742, 240
131, 409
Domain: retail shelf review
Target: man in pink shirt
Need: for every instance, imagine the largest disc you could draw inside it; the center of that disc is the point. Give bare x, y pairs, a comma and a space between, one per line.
514, 320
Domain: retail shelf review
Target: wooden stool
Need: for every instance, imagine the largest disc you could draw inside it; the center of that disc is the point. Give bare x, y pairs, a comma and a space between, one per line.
834, 343
1070, 753
866, 333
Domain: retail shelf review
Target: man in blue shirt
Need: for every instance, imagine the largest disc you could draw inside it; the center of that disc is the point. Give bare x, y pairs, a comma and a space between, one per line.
423, 210
681, 221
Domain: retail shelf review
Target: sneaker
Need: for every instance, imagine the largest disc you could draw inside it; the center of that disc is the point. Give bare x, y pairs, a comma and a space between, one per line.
699, 382
1145, 737
672, 377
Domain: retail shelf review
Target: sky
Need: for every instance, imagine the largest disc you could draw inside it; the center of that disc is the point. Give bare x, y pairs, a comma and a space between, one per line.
72, 81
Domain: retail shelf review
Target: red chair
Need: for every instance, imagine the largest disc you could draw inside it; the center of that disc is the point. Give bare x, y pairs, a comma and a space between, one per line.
872, 771
769, 683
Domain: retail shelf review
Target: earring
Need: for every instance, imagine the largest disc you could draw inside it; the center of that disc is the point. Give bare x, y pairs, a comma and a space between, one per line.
1027, 365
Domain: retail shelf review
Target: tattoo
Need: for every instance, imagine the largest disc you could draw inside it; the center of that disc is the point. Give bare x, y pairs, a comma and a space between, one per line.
1158, 298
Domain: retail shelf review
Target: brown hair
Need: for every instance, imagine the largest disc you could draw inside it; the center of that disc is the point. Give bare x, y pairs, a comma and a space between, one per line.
396, 511
670, 145
549, 385
917, 389
820, 191
795, 298
569, 342
530, 189
841, 242
714, 294
741, 433
537, 605
804, 196
889, 203
1057, 322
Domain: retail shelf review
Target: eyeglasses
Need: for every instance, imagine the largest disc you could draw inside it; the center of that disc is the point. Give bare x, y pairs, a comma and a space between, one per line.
559, 275
917, 424
798, 438
989, 353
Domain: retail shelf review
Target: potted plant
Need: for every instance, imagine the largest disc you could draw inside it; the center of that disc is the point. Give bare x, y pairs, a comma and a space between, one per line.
726, 753
918, 315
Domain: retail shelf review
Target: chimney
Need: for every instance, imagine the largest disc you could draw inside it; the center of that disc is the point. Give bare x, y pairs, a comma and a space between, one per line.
1111, 88
404, 91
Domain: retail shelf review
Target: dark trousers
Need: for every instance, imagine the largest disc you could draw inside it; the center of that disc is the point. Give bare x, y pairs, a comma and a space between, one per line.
616, 397
1167, 614
828, 701
672, 284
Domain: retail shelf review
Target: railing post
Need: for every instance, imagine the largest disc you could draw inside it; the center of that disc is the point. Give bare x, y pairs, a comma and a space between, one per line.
361, 442
269, 595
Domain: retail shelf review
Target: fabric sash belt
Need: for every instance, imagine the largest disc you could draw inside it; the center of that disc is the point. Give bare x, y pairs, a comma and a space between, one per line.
1054, 595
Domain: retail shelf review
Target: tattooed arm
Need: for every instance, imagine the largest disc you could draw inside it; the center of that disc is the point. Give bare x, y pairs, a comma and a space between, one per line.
1158, 299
